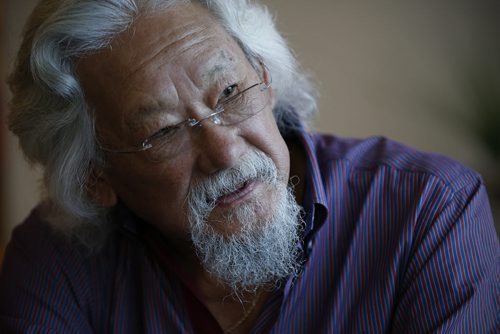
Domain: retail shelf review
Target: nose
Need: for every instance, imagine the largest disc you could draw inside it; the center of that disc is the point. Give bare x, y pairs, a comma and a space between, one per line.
218, 147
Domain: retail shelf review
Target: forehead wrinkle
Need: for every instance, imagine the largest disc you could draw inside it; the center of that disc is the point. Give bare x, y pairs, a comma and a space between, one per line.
184, 40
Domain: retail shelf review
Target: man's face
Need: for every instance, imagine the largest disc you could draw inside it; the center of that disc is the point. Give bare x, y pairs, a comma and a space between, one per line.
167, 68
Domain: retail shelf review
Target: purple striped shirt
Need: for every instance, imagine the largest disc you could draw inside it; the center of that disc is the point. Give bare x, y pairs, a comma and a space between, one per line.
396, 241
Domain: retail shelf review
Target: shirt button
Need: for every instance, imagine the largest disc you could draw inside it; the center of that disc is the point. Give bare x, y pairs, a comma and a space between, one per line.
309, 246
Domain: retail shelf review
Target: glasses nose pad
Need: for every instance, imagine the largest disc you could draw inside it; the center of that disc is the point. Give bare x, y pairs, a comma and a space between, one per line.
216, 119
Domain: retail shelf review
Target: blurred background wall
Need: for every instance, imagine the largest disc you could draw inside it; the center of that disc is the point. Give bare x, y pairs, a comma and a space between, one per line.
426, 73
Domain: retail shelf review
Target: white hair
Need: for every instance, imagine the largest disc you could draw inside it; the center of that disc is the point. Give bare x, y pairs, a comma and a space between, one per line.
54, 124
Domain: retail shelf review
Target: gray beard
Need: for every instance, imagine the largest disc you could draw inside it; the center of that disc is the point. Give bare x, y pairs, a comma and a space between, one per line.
264, 250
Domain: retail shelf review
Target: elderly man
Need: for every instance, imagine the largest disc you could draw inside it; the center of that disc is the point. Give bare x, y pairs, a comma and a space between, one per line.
184, 195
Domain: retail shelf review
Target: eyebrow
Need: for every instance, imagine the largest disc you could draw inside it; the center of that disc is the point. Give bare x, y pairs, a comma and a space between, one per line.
222, 63
147, 111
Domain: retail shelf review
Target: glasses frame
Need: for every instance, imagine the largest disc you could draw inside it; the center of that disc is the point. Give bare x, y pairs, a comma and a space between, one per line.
147, 143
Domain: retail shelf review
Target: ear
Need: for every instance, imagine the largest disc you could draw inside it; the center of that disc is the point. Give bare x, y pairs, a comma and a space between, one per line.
267, 79
266, 75
101, 190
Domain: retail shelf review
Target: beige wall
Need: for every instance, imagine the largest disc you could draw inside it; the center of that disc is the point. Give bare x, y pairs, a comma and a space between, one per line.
382, 67
20, 190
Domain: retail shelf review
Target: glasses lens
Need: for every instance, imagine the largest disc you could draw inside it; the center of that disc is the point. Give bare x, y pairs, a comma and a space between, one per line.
164, 148
246, 104
241, 107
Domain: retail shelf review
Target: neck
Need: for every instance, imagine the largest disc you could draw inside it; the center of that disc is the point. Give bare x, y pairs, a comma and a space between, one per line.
205, 285
234, 311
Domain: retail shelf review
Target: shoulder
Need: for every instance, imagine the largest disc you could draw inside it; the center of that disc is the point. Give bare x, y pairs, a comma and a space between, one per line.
36, 246
46, 279
36, 242
37, 257
402, 183
382, 155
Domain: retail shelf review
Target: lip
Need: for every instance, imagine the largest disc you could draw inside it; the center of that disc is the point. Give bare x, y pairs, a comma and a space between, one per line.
237, 196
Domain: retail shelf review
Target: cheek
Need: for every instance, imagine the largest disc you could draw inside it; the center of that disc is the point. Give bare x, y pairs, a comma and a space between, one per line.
154, 193
273, 144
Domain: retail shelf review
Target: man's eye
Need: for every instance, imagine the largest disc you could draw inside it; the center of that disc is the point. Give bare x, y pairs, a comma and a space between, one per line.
228, 92
165, 133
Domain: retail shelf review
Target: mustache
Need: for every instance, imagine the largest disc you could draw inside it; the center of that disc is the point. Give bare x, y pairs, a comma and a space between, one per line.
255, 165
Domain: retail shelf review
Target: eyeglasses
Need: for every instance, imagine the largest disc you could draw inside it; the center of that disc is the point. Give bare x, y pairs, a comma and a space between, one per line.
234, 108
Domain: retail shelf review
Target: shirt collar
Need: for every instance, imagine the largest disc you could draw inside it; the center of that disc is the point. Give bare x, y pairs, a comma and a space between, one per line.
315, 204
